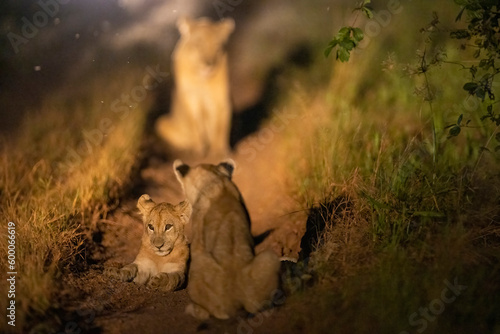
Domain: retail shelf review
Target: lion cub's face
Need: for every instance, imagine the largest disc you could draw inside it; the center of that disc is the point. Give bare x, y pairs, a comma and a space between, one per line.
163, 223
206, 40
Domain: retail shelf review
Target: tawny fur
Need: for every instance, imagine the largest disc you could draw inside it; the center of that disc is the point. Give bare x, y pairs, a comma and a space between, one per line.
224, 275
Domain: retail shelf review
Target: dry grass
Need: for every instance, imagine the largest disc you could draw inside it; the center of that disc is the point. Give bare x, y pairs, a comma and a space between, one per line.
53, 196
399, 233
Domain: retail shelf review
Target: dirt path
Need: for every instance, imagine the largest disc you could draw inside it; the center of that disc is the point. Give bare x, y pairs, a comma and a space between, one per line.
104, 305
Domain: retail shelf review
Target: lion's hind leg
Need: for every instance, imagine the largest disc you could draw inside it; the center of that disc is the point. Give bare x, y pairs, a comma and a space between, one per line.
209, 289
259, 281
197, 311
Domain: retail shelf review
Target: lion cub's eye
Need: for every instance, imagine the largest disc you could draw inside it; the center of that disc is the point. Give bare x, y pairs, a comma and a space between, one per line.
151, 227
168, 227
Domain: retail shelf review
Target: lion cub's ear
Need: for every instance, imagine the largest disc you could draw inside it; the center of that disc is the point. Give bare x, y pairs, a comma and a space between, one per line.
184, 25
226, 167
145, 204
227, 26
185, 209
180, 169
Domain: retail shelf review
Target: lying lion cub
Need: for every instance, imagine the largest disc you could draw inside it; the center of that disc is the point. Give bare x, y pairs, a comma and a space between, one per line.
161, 261
224, 274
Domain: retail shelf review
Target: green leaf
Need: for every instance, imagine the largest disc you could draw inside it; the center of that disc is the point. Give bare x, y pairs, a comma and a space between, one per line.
347, 44
470, 87
343, 55
497, 137
328, 50
344, 42
357, 34
333, 43
368, 12
454, 131
343, 33
484, 64
480, 93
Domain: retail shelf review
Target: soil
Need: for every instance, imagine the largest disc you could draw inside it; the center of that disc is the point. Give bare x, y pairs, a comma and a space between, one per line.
95, 303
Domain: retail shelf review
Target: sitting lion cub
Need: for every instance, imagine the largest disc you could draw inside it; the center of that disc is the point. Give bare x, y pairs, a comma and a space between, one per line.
161, 261
224, 274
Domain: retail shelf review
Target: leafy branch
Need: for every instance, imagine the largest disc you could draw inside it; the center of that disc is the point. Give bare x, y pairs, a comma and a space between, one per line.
349, 37
456, 128
483, 35
483, 31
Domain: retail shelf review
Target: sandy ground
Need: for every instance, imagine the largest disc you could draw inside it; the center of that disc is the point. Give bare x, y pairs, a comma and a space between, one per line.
99, 304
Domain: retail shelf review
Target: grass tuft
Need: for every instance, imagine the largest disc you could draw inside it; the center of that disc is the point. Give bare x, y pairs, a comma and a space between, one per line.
420, 209
57, 177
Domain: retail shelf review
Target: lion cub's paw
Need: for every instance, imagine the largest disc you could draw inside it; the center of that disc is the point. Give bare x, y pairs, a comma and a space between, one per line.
125, 274
159, 281
112, 272
164, 282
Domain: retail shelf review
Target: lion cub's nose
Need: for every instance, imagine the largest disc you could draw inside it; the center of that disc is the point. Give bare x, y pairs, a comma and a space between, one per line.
158, 244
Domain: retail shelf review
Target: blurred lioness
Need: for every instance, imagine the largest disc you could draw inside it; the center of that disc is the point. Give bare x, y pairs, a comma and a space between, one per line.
200, 118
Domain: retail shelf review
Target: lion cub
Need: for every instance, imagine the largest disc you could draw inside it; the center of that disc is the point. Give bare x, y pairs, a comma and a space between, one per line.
225, 274
161, 261
200, 118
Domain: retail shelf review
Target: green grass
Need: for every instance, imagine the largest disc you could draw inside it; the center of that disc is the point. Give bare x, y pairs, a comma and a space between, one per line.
418, 210
54, 196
